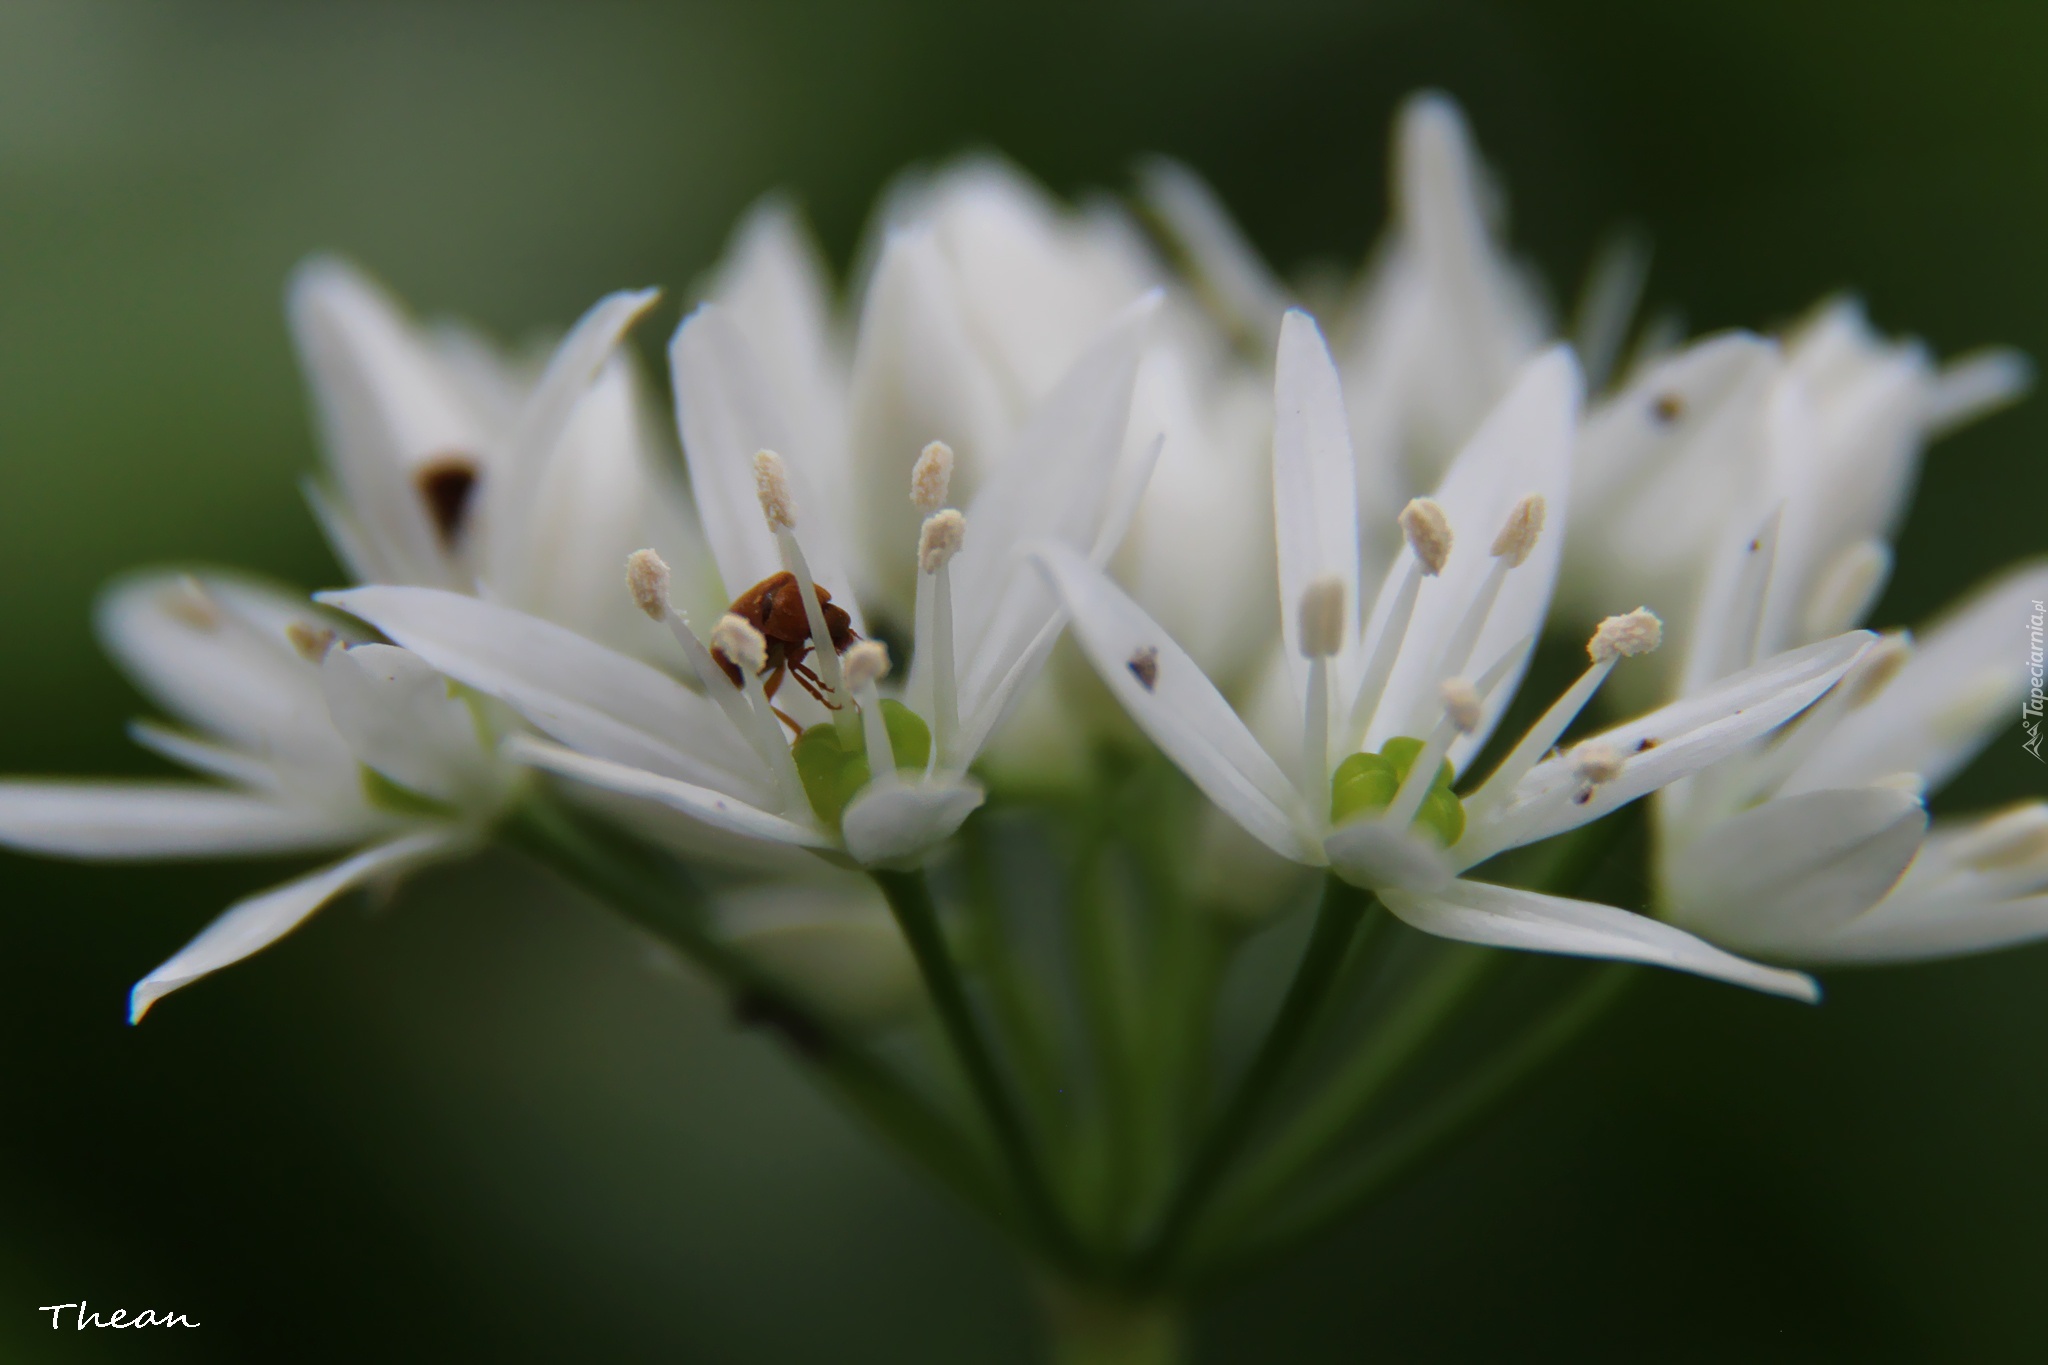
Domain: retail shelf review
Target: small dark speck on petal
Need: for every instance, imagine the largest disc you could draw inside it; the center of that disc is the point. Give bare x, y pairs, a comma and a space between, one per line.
1668, 408
1645, 744
1144, 666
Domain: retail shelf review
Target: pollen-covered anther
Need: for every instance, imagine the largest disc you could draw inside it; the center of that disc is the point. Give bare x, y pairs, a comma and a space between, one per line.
771, 482
1518, 534
310, 640
940, 539
188, 602
867, 662
1627, 635
647, 576
1322, 617
736, 638
1461, 704
931, 478
1429, 533
2014, 839
1596, 762
1874, 671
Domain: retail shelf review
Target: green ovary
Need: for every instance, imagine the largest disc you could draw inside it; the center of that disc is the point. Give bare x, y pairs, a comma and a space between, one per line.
1365, 784
833, 765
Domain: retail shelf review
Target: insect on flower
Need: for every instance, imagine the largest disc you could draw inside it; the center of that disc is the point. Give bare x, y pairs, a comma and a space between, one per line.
775, 607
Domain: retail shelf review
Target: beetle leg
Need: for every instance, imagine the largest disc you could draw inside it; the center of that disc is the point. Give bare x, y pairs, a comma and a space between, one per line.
811, 683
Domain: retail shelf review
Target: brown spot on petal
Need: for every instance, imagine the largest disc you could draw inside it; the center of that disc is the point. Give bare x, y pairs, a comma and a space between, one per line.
1667, 408
447, 484
312, 641
1645, 744
187, 602
1144, 666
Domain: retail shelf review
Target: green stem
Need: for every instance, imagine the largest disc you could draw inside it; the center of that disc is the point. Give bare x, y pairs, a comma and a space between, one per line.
664, 903
1090, 1330
1342, 908
911, 902
1340, 1104
1426, 1132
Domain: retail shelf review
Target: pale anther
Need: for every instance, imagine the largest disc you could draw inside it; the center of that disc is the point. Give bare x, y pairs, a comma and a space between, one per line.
1624, 636
867, 662
771, 482
188, 601
1322, 617
1461, 704
939, 540
1875, 670
2016, 838
932, 478
311, 640
1596, 762
1518, 535
1429, 534
736, 638
647, 575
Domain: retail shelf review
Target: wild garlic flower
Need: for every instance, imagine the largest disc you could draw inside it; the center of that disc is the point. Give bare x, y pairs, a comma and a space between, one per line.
313, 741
452, 466
1396, 703
790, 656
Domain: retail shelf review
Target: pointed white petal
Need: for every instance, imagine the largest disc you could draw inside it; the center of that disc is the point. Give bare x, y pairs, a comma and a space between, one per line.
254, 924
1238, 283
1375, 854
1523, 447
1962, 685
1976, 385
1174, 703
576, 690
714, 808
1956, 929
727, 411
896, 822
1780, 877
202, 756
1506, 917
1664, 746
396, 713
138, 820
1315, 492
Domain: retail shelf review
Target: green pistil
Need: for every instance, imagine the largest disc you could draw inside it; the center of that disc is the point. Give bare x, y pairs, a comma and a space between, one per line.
1365, 784
833, 763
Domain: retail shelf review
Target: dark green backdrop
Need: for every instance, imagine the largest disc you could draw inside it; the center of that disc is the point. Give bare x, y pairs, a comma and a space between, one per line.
479, 1123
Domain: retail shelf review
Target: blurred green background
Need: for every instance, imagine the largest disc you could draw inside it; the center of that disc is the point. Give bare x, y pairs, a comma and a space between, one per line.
482, 1123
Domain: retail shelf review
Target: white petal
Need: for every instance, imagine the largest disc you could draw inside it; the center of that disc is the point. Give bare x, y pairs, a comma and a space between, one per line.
1375, 854
896, 822
397, 715
136, 820
1665, 745
203, 756
1975, 385
1506, 917
254, 924
1524, 446
1962, 686
576, 690
727, 411
1239, 283
714, 808
1780, 877
833, 942
1315, 492
1180, 708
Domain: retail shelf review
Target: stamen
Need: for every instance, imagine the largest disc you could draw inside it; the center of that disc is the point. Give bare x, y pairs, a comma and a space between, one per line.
187, 602
1847, 589
1597, 763
866, 664
931, 478
312, 641
736, 638
938, 541
1385, 651
746, 707
1518, 537
647, 576
1625, 636
1429, 534
1461, 704
1322, 617
771, 483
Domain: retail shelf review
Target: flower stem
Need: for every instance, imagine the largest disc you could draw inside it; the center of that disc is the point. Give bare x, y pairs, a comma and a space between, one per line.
911, 902
1343, 907
1088, 1330
664, 903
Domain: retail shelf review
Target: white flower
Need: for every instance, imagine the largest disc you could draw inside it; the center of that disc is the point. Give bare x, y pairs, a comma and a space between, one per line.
317, 743
1811, 849
717, 756
1424, 678
450, 466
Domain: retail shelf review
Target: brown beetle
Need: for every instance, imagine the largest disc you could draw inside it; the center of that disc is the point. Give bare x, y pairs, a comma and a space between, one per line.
775, 607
